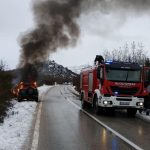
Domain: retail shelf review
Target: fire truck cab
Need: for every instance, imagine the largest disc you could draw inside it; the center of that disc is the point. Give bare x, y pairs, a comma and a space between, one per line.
110, 85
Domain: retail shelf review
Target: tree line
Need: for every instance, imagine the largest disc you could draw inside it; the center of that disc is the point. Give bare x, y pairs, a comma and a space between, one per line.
5, 89
128, 53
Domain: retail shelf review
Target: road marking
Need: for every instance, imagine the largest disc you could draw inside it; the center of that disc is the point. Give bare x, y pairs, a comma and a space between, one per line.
107, 127
36, 129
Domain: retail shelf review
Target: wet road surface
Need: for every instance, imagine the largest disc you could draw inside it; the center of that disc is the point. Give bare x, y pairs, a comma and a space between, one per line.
64, 127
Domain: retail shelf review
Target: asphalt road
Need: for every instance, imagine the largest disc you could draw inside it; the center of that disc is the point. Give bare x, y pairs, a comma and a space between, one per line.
64, 127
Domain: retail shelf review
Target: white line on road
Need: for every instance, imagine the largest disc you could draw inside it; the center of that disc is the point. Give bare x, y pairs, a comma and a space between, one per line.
107, 127
36, 129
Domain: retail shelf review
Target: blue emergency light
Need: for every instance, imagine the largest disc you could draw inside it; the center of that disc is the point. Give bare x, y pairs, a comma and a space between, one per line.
108, 62
116, 92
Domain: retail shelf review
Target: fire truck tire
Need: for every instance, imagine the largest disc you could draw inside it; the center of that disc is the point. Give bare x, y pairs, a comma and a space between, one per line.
96, 108
81, 96
131, 112
83, 104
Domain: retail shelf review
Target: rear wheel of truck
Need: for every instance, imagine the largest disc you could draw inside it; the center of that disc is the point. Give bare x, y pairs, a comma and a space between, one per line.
131, 112
96, 108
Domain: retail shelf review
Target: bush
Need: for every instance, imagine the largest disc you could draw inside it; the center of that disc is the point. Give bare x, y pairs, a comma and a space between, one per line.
5, 92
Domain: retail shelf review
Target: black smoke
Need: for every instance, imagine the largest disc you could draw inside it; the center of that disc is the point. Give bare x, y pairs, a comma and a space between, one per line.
29, 73
56, 27
56, 24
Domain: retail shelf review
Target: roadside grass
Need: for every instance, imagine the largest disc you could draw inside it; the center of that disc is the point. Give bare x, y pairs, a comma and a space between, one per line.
5, 93
5, 103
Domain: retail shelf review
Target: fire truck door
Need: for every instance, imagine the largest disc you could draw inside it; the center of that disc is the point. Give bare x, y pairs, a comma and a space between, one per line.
90, 87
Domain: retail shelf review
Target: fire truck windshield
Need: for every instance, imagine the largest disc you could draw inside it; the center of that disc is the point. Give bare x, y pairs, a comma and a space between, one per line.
123, 75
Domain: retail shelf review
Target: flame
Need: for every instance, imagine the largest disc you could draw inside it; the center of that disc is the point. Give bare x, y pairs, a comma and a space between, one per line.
35, 83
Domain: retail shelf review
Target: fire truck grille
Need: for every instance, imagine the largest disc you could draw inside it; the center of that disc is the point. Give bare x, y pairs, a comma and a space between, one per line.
123, 99
124, 91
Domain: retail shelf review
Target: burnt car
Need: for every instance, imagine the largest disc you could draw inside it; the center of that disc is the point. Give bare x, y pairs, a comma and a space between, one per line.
26, 91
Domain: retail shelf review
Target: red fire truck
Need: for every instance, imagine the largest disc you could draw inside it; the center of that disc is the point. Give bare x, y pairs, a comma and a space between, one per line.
110, 85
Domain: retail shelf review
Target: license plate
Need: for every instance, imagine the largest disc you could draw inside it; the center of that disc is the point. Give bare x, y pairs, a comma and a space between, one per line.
124, 103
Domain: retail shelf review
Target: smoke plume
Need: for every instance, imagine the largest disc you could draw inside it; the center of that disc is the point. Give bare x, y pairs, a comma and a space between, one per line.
56, 27
29, 73
56, 24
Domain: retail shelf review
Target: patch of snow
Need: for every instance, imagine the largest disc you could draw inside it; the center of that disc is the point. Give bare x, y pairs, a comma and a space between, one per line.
17, 125
42, 90
72, 88
143, 116
50, 66
15, 129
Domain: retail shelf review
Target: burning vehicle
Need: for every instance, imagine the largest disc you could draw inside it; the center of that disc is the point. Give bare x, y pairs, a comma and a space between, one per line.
26, 91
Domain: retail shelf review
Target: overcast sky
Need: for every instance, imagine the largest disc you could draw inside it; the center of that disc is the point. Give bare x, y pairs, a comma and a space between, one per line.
98, 32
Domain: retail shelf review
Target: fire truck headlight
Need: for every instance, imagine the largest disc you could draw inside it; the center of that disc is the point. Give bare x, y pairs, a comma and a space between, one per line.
139, 104
105, 102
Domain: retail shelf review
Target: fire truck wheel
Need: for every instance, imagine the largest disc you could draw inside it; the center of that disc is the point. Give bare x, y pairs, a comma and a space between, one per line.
96, 108
83, 103
131, 112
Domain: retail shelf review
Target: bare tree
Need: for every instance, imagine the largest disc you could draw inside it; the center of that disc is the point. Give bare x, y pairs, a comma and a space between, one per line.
5, 88
2, 65
134, 53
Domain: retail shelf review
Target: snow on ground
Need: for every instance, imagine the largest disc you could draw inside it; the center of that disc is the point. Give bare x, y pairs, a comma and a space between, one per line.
16, 127
143, 116
72, 88
42, 90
